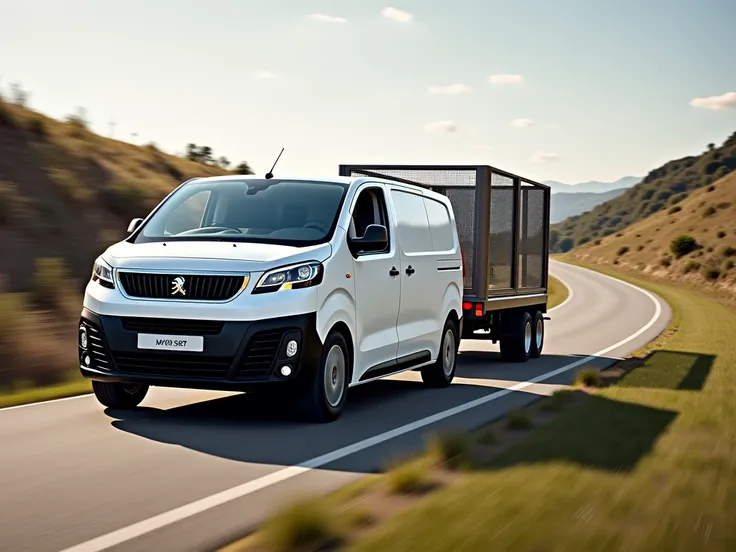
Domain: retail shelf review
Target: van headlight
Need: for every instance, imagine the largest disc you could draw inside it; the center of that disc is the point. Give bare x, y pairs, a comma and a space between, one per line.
102, 273
290, 277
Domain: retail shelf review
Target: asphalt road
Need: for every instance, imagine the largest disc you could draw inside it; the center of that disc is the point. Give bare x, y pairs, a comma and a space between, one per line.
191, 469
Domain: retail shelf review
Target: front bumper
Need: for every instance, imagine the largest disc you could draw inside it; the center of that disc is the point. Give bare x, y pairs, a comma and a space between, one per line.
237, 356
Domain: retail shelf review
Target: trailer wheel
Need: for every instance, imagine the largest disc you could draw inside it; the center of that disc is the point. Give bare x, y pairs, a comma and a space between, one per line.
537, 335
516, 344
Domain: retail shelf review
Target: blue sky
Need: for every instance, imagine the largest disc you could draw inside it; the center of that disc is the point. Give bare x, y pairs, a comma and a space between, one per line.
608, 85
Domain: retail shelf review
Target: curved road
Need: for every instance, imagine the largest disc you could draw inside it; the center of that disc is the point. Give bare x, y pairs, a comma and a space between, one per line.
191, 469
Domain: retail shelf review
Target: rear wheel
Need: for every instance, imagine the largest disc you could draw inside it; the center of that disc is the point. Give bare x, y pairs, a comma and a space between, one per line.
516, 344
538, 335
442, 371
324, 399
119, 395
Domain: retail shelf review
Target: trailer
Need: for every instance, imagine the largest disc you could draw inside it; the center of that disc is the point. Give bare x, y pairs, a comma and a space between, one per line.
503, 225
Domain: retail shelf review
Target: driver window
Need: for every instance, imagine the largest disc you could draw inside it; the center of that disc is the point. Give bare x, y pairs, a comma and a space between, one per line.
189, 214
370, 208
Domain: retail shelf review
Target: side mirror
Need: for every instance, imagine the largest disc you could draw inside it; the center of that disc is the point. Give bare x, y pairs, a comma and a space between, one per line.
374, 239
134, 224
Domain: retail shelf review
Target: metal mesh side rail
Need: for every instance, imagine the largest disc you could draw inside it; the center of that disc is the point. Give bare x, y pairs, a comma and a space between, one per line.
532, 246
502, 232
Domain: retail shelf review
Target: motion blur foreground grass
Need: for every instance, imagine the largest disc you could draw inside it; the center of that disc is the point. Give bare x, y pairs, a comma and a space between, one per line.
645, 463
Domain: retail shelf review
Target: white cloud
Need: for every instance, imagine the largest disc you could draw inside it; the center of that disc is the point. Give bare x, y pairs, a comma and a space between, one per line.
716, 103
327, 18
506, 79
483, 148
522, 123
264, 75
544, 156
451, 89
441, 126
397, 15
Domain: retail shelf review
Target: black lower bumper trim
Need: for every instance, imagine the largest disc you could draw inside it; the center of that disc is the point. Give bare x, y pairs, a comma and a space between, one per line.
240, 356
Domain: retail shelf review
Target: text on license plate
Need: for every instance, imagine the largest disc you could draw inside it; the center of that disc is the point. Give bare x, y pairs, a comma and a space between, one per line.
188, 343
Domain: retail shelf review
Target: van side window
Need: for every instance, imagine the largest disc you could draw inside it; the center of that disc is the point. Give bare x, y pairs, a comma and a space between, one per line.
411, 219
440, 225
370, 208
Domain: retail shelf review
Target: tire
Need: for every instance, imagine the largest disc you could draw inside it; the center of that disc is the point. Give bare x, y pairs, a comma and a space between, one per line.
119, 395
442, 371
516, 344
324, 398
538, 332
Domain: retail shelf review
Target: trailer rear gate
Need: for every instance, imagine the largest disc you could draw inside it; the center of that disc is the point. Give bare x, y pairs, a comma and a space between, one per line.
510, 214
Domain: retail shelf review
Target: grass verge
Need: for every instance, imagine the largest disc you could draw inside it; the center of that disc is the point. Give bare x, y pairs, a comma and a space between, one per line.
646, 460
557, 292
45, 393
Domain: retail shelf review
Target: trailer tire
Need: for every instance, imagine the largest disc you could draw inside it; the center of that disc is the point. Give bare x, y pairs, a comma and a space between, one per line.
537, 335
516, 344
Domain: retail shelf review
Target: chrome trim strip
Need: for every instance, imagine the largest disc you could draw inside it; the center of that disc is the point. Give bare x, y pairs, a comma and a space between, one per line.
118, 271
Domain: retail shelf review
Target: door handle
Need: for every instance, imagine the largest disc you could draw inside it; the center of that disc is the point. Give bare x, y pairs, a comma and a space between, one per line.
393, 271
410, 270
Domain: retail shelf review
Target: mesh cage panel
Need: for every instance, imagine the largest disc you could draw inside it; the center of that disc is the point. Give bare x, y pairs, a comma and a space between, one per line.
531, 254
458, 185
502, 232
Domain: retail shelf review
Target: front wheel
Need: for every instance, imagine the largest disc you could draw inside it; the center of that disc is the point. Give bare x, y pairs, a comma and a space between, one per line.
442, 371
324, 398
119, 395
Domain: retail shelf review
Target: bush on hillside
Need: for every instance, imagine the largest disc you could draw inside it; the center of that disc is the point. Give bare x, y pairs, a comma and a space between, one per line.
710, 272
690, 265
709, 211
682, 245
622, 250
674, 209
49, 281
726, 251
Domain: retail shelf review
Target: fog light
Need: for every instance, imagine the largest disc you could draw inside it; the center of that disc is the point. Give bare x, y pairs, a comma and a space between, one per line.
291, 348
286, 371
86, 360
83, 337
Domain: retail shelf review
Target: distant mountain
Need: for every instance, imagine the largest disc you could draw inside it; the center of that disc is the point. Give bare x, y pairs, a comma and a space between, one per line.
593, 186
564, 204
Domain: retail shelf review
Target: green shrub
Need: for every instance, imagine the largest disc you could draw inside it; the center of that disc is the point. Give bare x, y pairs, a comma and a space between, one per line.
690, 265
665, 261
451, 448
304, 525
640, 248
50, 281
518, 420
710, 188
721, 234
588, 377
727, 265
674, 209
407, 478
622, 250
682, 245
709, 211
726, 251
8, 201
710, 272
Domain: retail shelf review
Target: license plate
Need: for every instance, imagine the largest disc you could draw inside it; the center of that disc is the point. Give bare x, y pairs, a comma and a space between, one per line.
186, 343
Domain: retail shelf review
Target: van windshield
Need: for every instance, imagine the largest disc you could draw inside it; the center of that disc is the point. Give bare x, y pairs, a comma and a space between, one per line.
284, 212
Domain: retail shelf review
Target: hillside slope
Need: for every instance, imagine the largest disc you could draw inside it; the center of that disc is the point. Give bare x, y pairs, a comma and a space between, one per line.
660, 189
707, 216
564, 205
65, 195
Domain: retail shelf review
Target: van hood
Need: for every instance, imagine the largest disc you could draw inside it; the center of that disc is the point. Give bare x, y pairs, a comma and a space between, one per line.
210, 255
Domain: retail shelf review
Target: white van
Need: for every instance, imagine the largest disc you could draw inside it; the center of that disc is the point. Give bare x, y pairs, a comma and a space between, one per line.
301, 287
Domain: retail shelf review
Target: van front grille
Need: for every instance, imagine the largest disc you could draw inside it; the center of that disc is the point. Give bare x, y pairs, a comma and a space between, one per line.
181, 287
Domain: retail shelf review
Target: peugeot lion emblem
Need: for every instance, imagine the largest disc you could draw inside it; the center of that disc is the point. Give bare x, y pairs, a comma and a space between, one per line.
177, 286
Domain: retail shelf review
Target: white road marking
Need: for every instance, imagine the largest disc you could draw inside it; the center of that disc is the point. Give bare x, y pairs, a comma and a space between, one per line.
570, 295
198, 506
